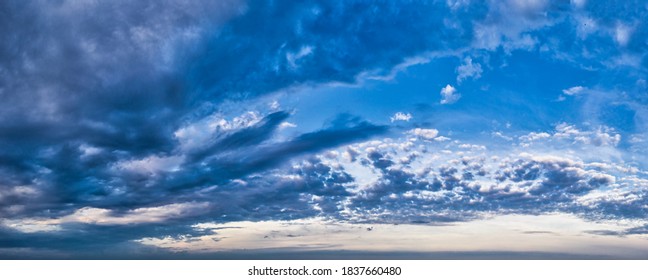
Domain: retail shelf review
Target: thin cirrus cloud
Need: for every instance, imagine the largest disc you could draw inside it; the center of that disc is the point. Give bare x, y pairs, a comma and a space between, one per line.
129, 122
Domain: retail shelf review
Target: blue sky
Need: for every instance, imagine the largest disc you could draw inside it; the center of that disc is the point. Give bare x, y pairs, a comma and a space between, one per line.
169, 129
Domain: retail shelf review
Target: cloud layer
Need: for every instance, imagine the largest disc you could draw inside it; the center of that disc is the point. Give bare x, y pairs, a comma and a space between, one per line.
129, 120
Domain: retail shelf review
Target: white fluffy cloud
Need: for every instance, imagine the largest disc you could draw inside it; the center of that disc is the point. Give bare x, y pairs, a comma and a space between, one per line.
449, 95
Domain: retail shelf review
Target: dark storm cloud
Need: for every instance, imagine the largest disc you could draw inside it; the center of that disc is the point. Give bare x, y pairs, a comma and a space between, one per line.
121, 77
87, 73
87, 86
93, 72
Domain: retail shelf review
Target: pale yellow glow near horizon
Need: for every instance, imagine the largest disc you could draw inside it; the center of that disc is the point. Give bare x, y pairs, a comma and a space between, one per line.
554, 233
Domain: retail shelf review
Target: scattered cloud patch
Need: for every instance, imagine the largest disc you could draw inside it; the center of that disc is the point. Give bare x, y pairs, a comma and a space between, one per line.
468, 70
449, 95
400, 116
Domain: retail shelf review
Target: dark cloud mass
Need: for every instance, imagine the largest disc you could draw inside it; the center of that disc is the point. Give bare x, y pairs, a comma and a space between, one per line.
89, 86
109, 76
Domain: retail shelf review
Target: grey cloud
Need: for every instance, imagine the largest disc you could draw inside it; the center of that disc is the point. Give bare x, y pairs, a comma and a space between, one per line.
122, 77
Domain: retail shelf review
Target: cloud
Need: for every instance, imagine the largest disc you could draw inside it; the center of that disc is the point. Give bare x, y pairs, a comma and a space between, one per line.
603, 136
122, 120
508, 24
196, 134
622, 34
457, 4
146, 110
318, 39
574, 90
424, 133
98, 216
417, 183
533, 136
579, 4
413, 182
567, 135
585, 26
149, 94
468, 70
293, 58
449, 95
135, 216
400, 116
152, 164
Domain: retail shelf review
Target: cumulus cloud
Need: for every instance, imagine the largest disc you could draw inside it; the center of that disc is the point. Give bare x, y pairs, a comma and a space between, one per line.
449, 95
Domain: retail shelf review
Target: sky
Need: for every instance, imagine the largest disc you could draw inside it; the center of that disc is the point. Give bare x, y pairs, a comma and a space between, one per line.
323, 129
